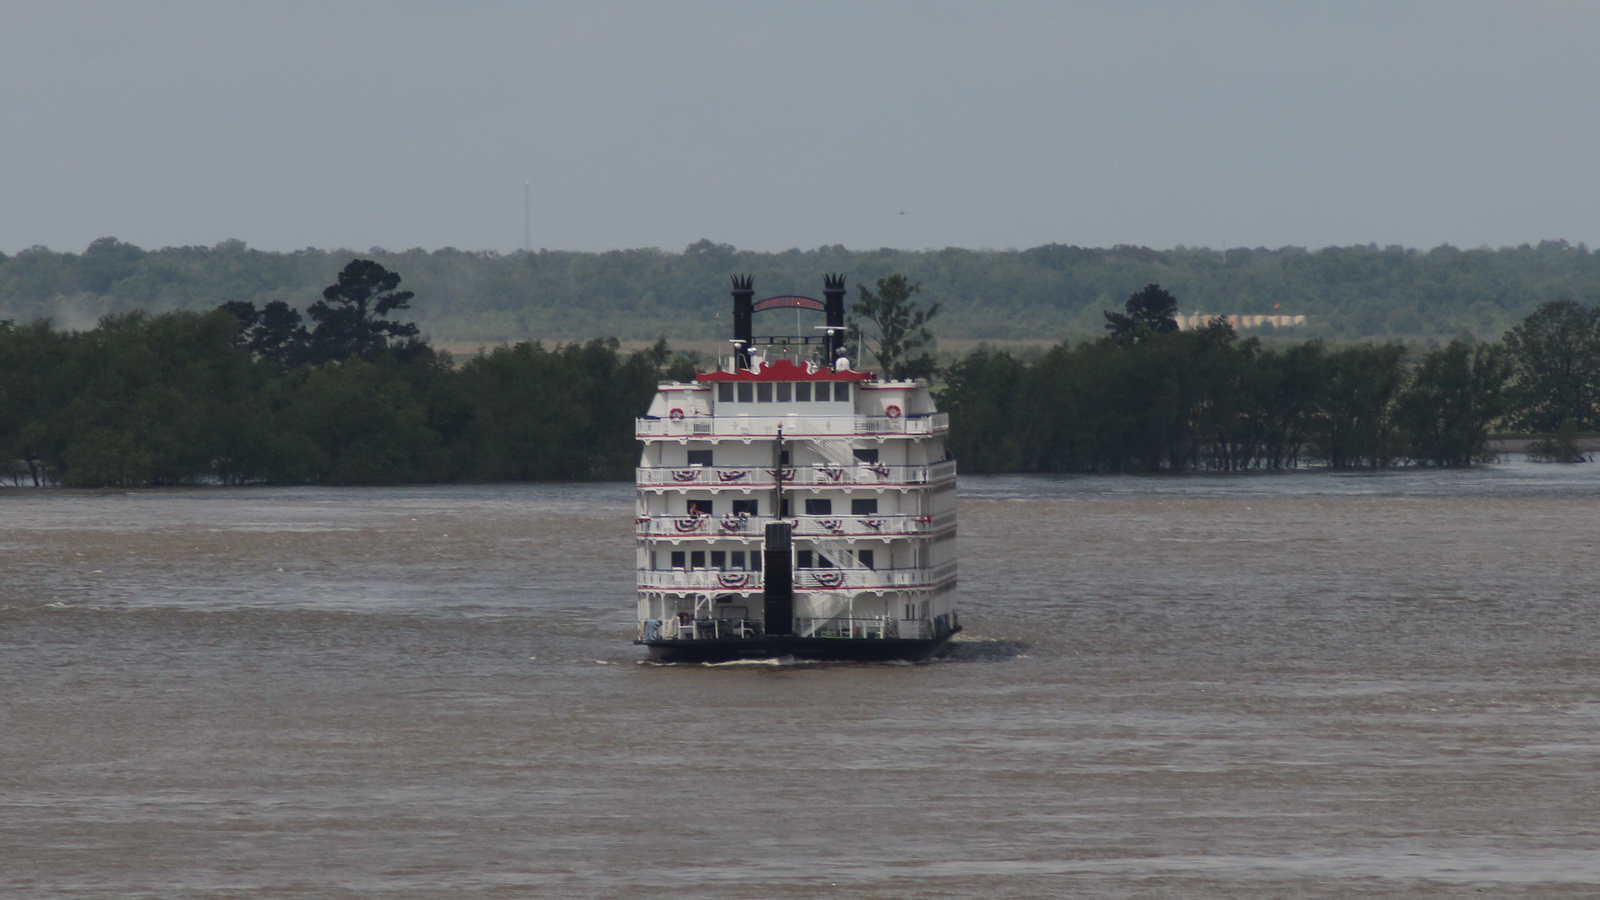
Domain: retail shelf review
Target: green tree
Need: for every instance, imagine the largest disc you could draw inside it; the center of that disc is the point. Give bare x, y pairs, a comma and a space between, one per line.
1555, 355
1149, 312
1354, 421
33, 392
273, 333
351, 316
1456, 393
898, 329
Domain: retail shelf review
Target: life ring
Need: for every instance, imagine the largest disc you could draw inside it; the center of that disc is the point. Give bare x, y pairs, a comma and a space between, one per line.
892, 411
676, 415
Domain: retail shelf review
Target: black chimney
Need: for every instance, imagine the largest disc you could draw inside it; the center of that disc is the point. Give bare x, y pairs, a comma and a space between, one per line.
833, 310
743, 309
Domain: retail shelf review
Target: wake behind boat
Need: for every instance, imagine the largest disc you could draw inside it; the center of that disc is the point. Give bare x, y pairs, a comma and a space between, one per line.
789, 505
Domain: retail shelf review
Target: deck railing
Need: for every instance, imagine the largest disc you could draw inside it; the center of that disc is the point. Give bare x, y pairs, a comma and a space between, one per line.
798, 427
800, 476
713, 581
705, 628
733, 526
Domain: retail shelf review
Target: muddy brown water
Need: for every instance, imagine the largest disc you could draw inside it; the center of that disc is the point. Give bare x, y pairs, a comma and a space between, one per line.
1306, 685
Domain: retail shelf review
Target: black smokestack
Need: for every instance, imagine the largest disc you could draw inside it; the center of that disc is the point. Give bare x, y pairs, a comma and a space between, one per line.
743, 309
833, 309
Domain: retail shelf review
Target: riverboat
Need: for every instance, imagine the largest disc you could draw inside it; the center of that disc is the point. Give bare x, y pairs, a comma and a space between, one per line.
790, 505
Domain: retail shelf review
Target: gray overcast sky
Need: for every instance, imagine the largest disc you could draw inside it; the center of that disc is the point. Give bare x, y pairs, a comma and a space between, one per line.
772, 125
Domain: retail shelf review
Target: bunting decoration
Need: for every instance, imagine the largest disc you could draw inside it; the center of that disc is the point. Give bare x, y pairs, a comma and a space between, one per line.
874, 524
733, 579
732, 522
685, 475
831, 473
733, 475
833, 525
829, 579
691, 524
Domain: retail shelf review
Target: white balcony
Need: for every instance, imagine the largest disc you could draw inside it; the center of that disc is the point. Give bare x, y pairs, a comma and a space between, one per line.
731, 526
722, 581
798, 476
797, 427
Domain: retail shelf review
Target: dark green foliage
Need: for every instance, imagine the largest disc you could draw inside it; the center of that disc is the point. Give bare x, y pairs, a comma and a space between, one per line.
894, 327
1353, 423
1150, 312
352, 315
1171, 401
1456, 393
1556, 355
185, 397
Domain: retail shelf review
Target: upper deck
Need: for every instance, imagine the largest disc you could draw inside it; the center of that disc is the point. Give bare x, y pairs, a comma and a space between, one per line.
802, 399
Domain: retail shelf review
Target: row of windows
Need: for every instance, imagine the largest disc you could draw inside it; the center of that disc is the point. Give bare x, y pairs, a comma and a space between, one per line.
783, 391
733, 560
815, 506
867, 455
736, 560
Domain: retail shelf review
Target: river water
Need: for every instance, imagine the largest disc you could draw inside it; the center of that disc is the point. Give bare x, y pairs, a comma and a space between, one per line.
1300, 685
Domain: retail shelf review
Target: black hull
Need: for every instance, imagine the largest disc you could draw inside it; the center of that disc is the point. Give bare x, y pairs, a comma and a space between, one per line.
809, 649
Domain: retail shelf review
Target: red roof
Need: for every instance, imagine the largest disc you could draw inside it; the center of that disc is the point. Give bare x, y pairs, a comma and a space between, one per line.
783, 369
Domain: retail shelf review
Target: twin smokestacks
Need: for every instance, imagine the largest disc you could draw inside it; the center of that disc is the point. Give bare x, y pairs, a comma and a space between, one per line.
832, 305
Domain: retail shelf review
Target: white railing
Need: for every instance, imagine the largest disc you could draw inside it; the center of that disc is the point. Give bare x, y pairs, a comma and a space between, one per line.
679, 629
800, 476
690, 629
875, 627
733, 526
793, 426
708, 580
860, 579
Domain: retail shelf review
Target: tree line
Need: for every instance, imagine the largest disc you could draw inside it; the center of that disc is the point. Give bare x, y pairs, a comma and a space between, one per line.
345, 393
1052, 291
1149, 397
243, 395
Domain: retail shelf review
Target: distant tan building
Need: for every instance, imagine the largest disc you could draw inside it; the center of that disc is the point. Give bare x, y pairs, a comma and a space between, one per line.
1239, 323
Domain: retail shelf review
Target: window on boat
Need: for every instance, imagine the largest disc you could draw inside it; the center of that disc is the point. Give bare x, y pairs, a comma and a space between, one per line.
866, 558
701, 508
747, 392
677, 559
820, 391
764, 392
755, 560
719, 559
819, 506
802, 392
841, 391
701, 457
736, 560
864, 506
746, 507
785, 390
725, 392
697, 559
867, 455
